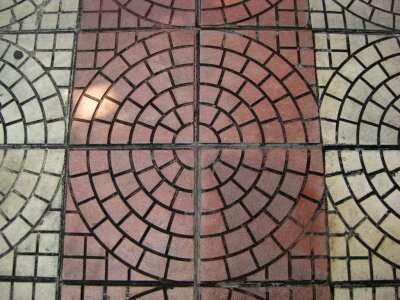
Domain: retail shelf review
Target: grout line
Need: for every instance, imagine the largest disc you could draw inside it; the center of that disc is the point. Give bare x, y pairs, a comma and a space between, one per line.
197, 172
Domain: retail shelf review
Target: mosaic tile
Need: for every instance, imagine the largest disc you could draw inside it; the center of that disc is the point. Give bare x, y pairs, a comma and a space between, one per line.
282, 13
358, 79
129, 92
262, 216
20, 15
140, 210
257, 90
35, 71
363, 188
30, 212
355, 14
139, 89
122, 14
25, 290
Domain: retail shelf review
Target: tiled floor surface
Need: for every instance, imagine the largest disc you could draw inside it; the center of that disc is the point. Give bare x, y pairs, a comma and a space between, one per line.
199, 149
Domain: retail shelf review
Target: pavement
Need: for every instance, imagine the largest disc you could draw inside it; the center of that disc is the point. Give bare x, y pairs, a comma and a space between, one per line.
199, 149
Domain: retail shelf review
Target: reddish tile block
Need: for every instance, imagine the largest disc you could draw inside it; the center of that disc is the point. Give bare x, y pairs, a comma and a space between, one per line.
288, 13
255, 217
139, 89
123, 14
128, 217
256, 93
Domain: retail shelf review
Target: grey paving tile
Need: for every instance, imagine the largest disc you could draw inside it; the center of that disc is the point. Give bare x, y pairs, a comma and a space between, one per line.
35, 77
20, 15
355, 14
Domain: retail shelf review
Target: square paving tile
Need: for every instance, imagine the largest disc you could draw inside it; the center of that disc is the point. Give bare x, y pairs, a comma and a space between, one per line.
30, 212
358, 81
262, 216
356, 14
364, 214
35, 78
134, 88
20, 15
130, 216
257, 87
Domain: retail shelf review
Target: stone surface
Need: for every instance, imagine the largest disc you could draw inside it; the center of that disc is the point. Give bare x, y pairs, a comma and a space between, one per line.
20, 15
209, 149
35, 72
357, 14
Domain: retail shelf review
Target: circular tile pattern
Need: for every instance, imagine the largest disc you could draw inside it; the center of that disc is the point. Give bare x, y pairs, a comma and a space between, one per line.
30, 179
12, 11
365, 192
253, 205
360, 104
146, 102
251, 94
140, 204
231, 12
384, 14
169, 12
31, 108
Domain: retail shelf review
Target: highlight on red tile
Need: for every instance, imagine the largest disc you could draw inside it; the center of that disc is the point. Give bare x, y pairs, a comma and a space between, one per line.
282, 13
129, 216
258, 87
121, 14
262, 215
133, 88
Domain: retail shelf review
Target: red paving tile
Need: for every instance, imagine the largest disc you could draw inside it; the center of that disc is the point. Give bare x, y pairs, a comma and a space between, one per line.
260, 210
283, 13
256, 207
140, 91
122, 14
251, 91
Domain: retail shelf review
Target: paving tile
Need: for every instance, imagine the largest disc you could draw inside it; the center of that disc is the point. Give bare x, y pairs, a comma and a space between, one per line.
30, 212
289, 292
356, 14
284, 13
257, 90
20, 15
358, 77
364, 219
69, 292
121, 14
133, 210
361, 293
134, 88
35, 72
262, 215
28, 290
